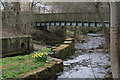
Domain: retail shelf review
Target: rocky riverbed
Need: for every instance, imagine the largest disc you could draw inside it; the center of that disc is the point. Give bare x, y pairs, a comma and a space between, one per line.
89, 60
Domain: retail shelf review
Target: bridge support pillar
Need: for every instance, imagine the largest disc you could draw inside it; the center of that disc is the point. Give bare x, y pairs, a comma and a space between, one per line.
95, 24
88, 24
82, 23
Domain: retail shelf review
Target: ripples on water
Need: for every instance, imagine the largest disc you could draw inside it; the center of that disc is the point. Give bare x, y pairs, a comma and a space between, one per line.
94, 42
78, 65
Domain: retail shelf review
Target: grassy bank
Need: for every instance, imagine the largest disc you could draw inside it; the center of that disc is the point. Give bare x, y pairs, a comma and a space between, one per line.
13, 66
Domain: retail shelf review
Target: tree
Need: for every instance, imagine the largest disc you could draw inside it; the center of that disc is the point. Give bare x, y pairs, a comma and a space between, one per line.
105, 31
16, 8
17, 18
114, 40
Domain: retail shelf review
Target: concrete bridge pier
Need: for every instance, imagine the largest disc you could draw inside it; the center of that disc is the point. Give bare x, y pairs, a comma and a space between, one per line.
95, 23
89, 24
82, 23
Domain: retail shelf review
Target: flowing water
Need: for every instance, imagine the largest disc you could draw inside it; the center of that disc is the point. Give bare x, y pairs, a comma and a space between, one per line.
89, 60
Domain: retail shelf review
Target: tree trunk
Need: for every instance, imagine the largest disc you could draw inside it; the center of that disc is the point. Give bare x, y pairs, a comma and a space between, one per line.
75, 32
16, 8
106, 33
114, 40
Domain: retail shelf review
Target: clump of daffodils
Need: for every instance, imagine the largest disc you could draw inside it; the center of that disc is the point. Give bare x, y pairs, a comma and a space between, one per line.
40, 56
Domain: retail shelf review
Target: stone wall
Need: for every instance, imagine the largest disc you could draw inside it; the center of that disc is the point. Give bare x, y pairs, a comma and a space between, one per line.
64, 50
49, 71
16, 45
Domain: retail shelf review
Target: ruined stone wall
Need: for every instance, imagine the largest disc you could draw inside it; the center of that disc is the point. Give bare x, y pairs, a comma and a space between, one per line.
16, 45
49, 71
64, 50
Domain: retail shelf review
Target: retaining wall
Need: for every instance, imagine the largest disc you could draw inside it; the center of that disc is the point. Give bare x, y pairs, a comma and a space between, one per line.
16, 45
50, 70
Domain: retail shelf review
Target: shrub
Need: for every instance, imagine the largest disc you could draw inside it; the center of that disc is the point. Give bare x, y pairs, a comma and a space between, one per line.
44, 50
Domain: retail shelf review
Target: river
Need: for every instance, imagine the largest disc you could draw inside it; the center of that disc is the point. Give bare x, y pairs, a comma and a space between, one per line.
89, 61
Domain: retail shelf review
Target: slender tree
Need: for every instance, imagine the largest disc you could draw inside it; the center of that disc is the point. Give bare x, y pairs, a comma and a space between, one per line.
114, 40
16, 8
104, 28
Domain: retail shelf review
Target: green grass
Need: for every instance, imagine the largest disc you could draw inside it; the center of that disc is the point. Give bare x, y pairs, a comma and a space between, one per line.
44, 50
16, 59
14, 70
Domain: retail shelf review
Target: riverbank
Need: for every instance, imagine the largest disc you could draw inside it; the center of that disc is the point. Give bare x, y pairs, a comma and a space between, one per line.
27, 66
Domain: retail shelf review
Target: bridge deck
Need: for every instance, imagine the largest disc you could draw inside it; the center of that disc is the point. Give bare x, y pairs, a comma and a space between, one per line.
70, 19
81, 16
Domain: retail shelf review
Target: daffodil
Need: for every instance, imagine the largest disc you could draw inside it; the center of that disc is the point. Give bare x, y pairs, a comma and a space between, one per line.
40, 56
41, 53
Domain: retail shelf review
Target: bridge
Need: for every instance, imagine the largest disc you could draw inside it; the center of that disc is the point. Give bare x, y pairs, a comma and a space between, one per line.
70, 19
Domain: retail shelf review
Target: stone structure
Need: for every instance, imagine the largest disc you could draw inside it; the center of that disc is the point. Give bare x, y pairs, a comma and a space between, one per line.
80, 16
16, 45
64, 50
70, 19
49, 71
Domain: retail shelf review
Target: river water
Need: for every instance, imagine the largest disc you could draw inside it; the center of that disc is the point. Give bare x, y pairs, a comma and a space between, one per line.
89, 60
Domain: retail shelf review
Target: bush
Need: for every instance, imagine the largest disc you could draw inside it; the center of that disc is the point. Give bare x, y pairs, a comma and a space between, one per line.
84, 30
44, 50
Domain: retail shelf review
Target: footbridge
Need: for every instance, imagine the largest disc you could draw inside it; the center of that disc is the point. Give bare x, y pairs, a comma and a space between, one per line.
70, 19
